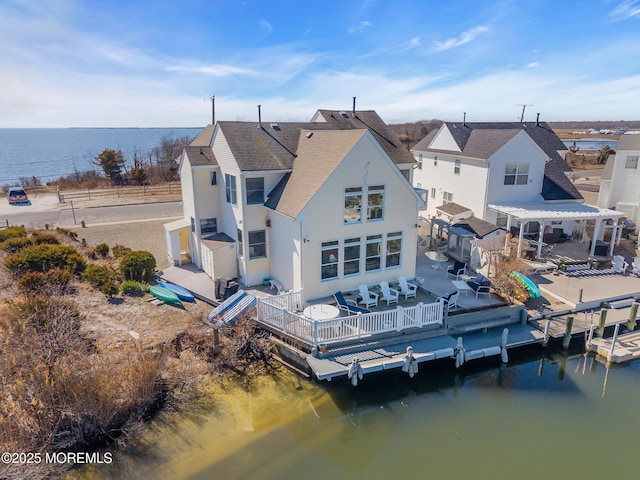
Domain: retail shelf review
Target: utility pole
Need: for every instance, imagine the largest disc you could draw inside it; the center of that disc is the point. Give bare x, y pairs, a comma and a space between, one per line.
213, 109
523, 105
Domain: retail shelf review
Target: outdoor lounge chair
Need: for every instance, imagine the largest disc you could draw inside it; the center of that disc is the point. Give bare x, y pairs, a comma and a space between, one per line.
350, 307
450, 300
635, 265
389, 294
480, 284
458, 268
618, 264
407, 289
368, 298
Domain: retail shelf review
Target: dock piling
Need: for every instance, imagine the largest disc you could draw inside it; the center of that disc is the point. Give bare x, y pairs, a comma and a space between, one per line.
504, 356
567, 332
602, 322
632, 316
613, 340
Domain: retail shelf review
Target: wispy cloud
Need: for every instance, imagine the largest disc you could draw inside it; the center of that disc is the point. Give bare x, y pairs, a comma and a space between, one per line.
626, 9
394, 49
361, 27
266, 28
463, 38
533, 65
211, 70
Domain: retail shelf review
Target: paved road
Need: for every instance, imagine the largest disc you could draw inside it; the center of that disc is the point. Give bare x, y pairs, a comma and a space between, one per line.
35, 214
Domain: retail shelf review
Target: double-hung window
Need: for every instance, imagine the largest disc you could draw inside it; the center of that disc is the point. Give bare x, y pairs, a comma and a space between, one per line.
631, 162
329, 260
239, 236
257, 244
375, 202
352, 204
374, 247
447, 197
351, 262
456, 166
230, 188
255, 191
516, 174
394, 249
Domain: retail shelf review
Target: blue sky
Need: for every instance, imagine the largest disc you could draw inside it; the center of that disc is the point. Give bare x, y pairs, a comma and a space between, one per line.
156, 62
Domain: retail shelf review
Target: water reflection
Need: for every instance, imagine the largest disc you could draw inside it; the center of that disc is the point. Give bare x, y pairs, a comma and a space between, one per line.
544, 412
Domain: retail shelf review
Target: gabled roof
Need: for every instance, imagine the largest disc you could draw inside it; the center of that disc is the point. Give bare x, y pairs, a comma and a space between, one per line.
481, 140
200, 156
318, 157
204, 137
274, 146
479, 227
629, 141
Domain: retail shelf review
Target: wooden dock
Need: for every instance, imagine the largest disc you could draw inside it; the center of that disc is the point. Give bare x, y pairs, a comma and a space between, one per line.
376, 356
625, 348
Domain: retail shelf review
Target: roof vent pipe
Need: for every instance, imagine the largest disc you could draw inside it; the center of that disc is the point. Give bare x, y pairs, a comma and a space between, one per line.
537, 119
213, 109
259, 117
354, 106
464, 119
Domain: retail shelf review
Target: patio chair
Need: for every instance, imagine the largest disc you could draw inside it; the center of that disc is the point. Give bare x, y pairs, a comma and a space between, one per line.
458, 268
350, 307
619, 265
450, 300
480, 284
389, 294
407, 289
368, 298
635, 265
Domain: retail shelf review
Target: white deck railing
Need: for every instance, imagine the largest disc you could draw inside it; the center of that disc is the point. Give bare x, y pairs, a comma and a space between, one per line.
274, 311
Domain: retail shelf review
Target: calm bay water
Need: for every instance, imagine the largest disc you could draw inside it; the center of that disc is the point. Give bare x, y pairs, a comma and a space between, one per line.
554, 417
592, 143
48, 153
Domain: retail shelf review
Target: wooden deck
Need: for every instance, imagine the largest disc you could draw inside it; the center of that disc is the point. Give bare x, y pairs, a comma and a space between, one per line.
376, 356
625, 349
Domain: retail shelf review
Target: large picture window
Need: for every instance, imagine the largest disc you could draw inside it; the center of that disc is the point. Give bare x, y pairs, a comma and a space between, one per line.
516, 174
208, 226
255, 191
257, 244
351, 263
230, 187
329, 260
374, 247
394, 249
352, 204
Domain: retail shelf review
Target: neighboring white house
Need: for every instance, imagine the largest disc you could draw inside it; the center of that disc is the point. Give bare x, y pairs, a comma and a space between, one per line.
477, 164
511, 174
319, 206
620, 181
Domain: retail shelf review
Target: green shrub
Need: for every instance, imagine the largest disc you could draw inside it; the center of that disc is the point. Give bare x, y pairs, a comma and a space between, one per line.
99, 275
102, 249
44, 238
12, 232
120, 250
32, 282
110, 289
138, 265
42, 258
54, 281
14, 244
133, 288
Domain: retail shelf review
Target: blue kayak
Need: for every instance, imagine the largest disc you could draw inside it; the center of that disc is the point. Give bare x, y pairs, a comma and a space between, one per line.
181, 293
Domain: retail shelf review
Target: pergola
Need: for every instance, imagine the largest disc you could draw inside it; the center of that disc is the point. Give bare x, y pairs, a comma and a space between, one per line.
545, 213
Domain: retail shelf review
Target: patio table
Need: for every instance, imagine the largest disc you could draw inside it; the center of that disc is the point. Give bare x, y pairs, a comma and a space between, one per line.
437, 258
462, 287
321, 311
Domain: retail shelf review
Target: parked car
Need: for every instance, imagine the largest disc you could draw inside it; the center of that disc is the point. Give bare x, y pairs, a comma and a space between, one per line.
17, 195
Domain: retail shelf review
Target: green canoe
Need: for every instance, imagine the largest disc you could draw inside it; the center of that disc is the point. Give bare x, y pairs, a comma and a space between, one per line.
165, 295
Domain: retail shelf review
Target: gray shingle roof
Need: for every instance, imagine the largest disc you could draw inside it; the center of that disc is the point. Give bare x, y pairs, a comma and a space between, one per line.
480, 140
628, 141
453, 209
318, 157
478, 226
204, 137
200, 156
268, 148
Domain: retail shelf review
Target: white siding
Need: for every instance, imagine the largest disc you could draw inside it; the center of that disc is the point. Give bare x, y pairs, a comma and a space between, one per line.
284, 243
323, 220
444, 141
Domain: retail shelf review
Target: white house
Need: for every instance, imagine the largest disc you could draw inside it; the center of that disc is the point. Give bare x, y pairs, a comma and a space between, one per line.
511, 174
620, 181
319, 206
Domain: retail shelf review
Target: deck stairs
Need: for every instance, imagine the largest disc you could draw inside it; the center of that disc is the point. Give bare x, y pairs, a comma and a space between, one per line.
229, 310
